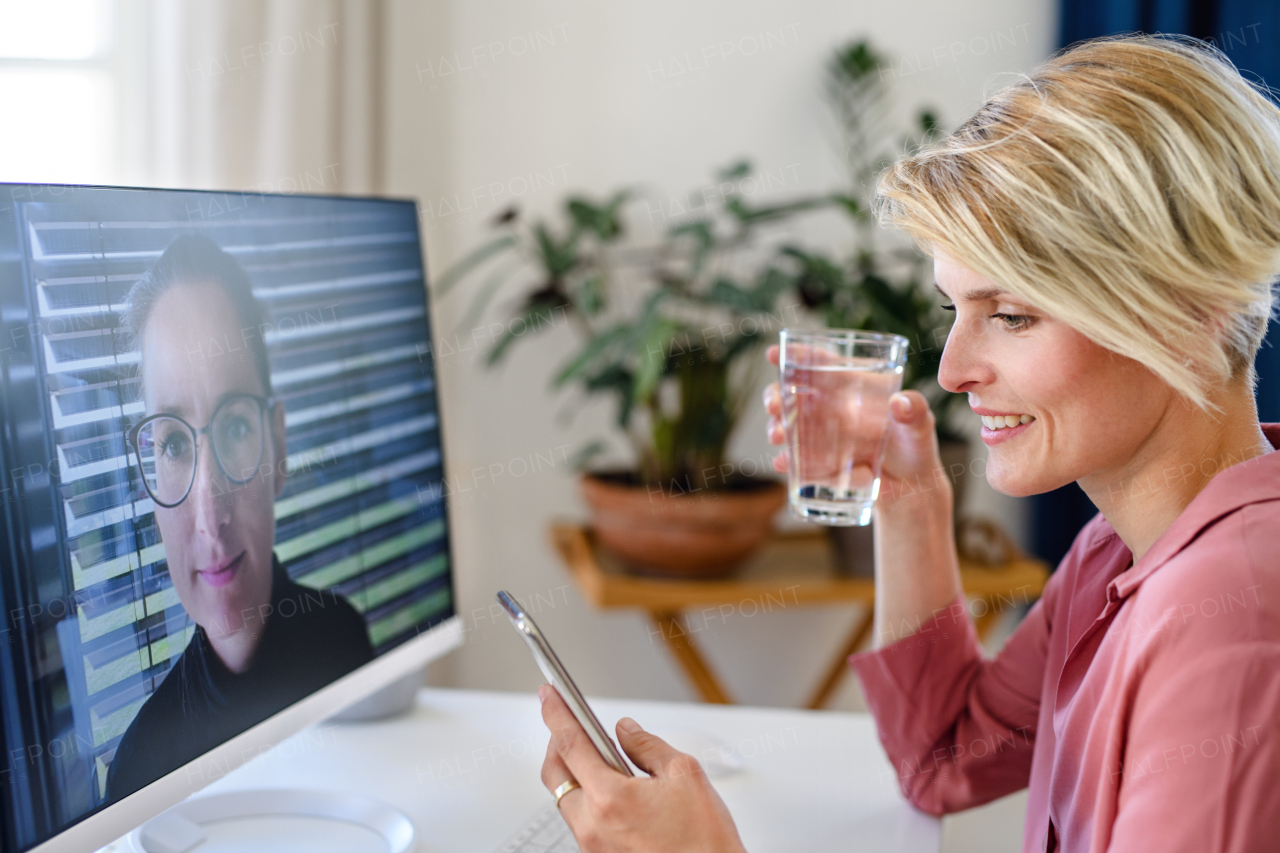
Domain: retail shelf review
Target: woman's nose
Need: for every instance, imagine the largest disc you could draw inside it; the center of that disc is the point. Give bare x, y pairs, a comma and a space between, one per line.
962, 366
209, 498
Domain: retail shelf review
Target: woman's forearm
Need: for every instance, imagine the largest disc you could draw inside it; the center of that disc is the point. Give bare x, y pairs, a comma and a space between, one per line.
917, 569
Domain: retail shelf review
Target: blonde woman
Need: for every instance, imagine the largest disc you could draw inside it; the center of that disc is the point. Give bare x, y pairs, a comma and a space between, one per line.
1107, 231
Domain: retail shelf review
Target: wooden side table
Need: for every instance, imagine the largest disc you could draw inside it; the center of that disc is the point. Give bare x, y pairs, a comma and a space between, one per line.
794, 569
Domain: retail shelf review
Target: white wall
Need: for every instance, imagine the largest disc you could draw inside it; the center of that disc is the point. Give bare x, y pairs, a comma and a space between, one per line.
485, 100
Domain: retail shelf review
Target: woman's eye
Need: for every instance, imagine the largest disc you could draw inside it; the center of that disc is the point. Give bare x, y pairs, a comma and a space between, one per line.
235, 430
174, 446
1013, 322
948, 307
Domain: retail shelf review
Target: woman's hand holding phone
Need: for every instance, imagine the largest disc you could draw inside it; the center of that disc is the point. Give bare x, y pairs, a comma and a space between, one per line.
673, 809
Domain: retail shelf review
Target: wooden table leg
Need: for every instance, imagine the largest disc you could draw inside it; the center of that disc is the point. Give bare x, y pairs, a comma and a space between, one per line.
984, 623
681, 645
839, 666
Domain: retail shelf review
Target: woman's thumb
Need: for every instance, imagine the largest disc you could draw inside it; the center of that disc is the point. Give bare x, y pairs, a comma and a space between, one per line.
650, 753
910, 408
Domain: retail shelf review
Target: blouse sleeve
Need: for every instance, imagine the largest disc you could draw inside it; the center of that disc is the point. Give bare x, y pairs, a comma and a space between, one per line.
958, 728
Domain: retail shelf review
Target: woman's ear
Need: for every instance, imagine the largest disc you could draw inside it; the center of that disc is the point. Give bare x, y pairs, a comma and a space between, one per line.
278, 445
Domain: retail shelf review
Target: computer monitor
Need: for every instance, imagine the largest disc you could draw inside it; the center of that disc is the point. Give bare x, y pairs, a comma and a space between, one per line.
222, 508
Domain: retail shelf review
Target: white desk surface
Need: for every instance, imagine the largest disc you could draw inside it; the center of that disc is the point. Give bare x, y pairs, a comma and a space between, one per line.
464, 765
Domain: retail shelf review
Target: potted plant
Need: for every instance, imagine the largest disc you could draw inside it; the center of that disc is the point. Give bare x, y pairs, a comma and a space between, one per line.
670, 330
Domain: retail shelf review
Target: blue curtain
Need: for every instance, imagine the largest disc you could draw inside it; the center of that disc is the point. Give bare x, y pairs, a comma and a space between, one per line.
1247, 31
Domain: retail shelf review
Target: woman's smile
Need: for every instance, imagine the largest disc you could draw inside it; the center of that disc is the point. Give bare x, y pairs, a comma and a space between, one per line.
222, 574
999, 427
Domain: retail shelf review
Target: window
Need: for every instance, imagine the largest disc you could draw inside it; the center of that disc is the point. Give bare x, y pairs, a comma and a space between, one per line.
69, 91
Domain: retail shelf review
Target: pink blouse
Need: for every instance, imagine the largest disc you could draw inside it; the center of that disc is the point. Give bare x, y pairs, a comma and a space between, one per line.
1140, 704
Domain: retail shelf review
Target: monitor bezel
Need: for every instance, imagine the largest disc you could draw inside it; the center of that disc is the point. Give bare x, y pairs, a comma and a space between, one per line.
117, 819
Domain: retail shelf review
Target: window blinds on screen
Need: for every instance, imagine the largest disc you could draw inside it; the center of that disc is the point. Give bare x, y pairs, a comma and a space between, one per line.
343, 287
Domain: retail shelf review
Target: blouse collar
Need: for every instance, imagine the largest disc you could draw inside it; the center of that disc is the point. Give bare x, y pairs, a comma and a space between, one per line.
1253, 481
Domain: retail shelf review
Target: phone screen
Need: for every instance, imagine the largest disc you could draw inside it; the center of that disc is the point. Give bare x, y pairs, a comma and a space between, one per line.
555, 672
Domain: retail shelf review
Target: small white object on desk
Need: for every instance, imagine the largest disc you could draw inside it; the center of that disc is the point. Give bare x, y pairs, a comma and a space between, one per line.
717, 757
464, 767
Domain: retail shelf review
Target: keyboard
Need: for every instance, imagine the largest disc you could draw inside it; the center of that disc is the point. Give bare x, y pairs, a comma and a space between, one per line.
546, 832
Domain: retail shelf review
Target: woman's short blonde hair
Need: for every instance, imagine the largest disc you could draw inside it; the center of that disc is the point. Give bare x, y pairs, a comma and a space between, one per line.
1130, 187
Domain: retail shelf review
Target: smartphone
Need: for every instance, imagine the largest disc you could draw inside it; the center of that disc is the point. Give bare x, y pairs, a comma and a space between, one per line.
559, 678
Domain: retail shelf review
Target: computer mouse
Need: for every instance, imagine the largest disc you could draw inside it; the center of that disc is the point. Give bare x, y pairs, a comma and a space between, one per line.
717, 757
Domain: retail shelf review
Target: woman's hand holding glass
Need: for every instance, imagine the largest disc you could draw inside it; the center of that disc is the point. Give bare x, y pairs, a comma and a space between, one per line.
911, 472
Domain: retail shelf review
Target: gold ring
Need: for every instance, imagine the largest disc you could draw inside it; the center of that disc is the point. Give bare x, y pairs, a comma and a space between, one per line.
565, 787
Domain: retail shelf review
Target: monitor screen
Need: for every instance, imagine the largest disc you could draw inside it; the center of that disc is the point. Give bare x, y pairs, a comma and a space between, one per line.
222, 465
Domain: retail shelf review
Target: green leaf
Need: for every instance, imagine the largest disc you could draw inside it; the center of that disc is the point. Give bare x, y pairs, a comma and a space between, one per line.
653, 354
535, 316
619, 380
601, 220
725, 292
648, 339
703, 234
647, 313
588, 296
471, 261
851, 205
856, 61
558, 259
772, 283
595, 348
742, 343
929, 122
481, 300
735, 171
744, 214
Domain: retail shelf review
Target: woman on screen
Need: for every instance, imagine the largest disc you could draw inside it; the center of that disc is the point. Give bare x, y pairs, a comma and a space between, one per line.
211, 453
1107, 230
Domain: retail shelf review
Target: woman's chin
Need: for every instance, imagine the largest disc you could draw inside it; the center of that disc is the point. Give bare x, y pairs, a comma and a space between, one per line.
1023, 484
225, 610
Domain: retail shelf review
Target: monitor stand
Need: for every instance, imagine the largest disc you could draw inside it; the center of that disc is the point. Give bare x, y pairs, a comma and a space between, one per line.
280, 820
395, 699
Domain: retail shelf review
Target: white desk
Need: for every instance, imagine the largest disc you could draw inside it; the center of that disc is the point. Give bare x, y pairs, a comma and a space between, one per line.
464, 767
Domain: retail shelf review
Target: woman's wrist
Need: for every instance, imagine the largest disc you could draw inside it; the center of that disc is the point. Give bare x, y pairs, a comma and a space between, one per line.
932, 514
917, 568
925, 496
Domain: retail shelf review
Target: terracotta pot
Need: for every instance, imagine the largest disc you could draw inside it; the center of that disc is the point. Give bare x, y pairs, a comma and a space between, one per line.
705, 533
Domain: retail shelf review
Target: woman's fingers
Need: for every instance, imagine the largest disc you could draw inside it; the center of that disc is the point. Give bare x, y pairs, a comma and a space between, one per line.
571, 742
775, 431
911, 409
773, 399
555, 773
772, 354
674, 810
554, 770
650, 753
861, 477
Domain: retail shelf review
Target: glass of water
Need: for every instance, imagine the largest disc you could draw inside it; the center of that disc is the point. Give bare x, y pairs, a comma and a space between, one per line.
836, 385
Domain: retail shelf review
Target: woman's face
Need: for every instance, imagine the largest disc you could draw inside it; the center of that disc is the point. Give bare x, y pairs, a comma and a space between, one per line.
1091, 410
219, 540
